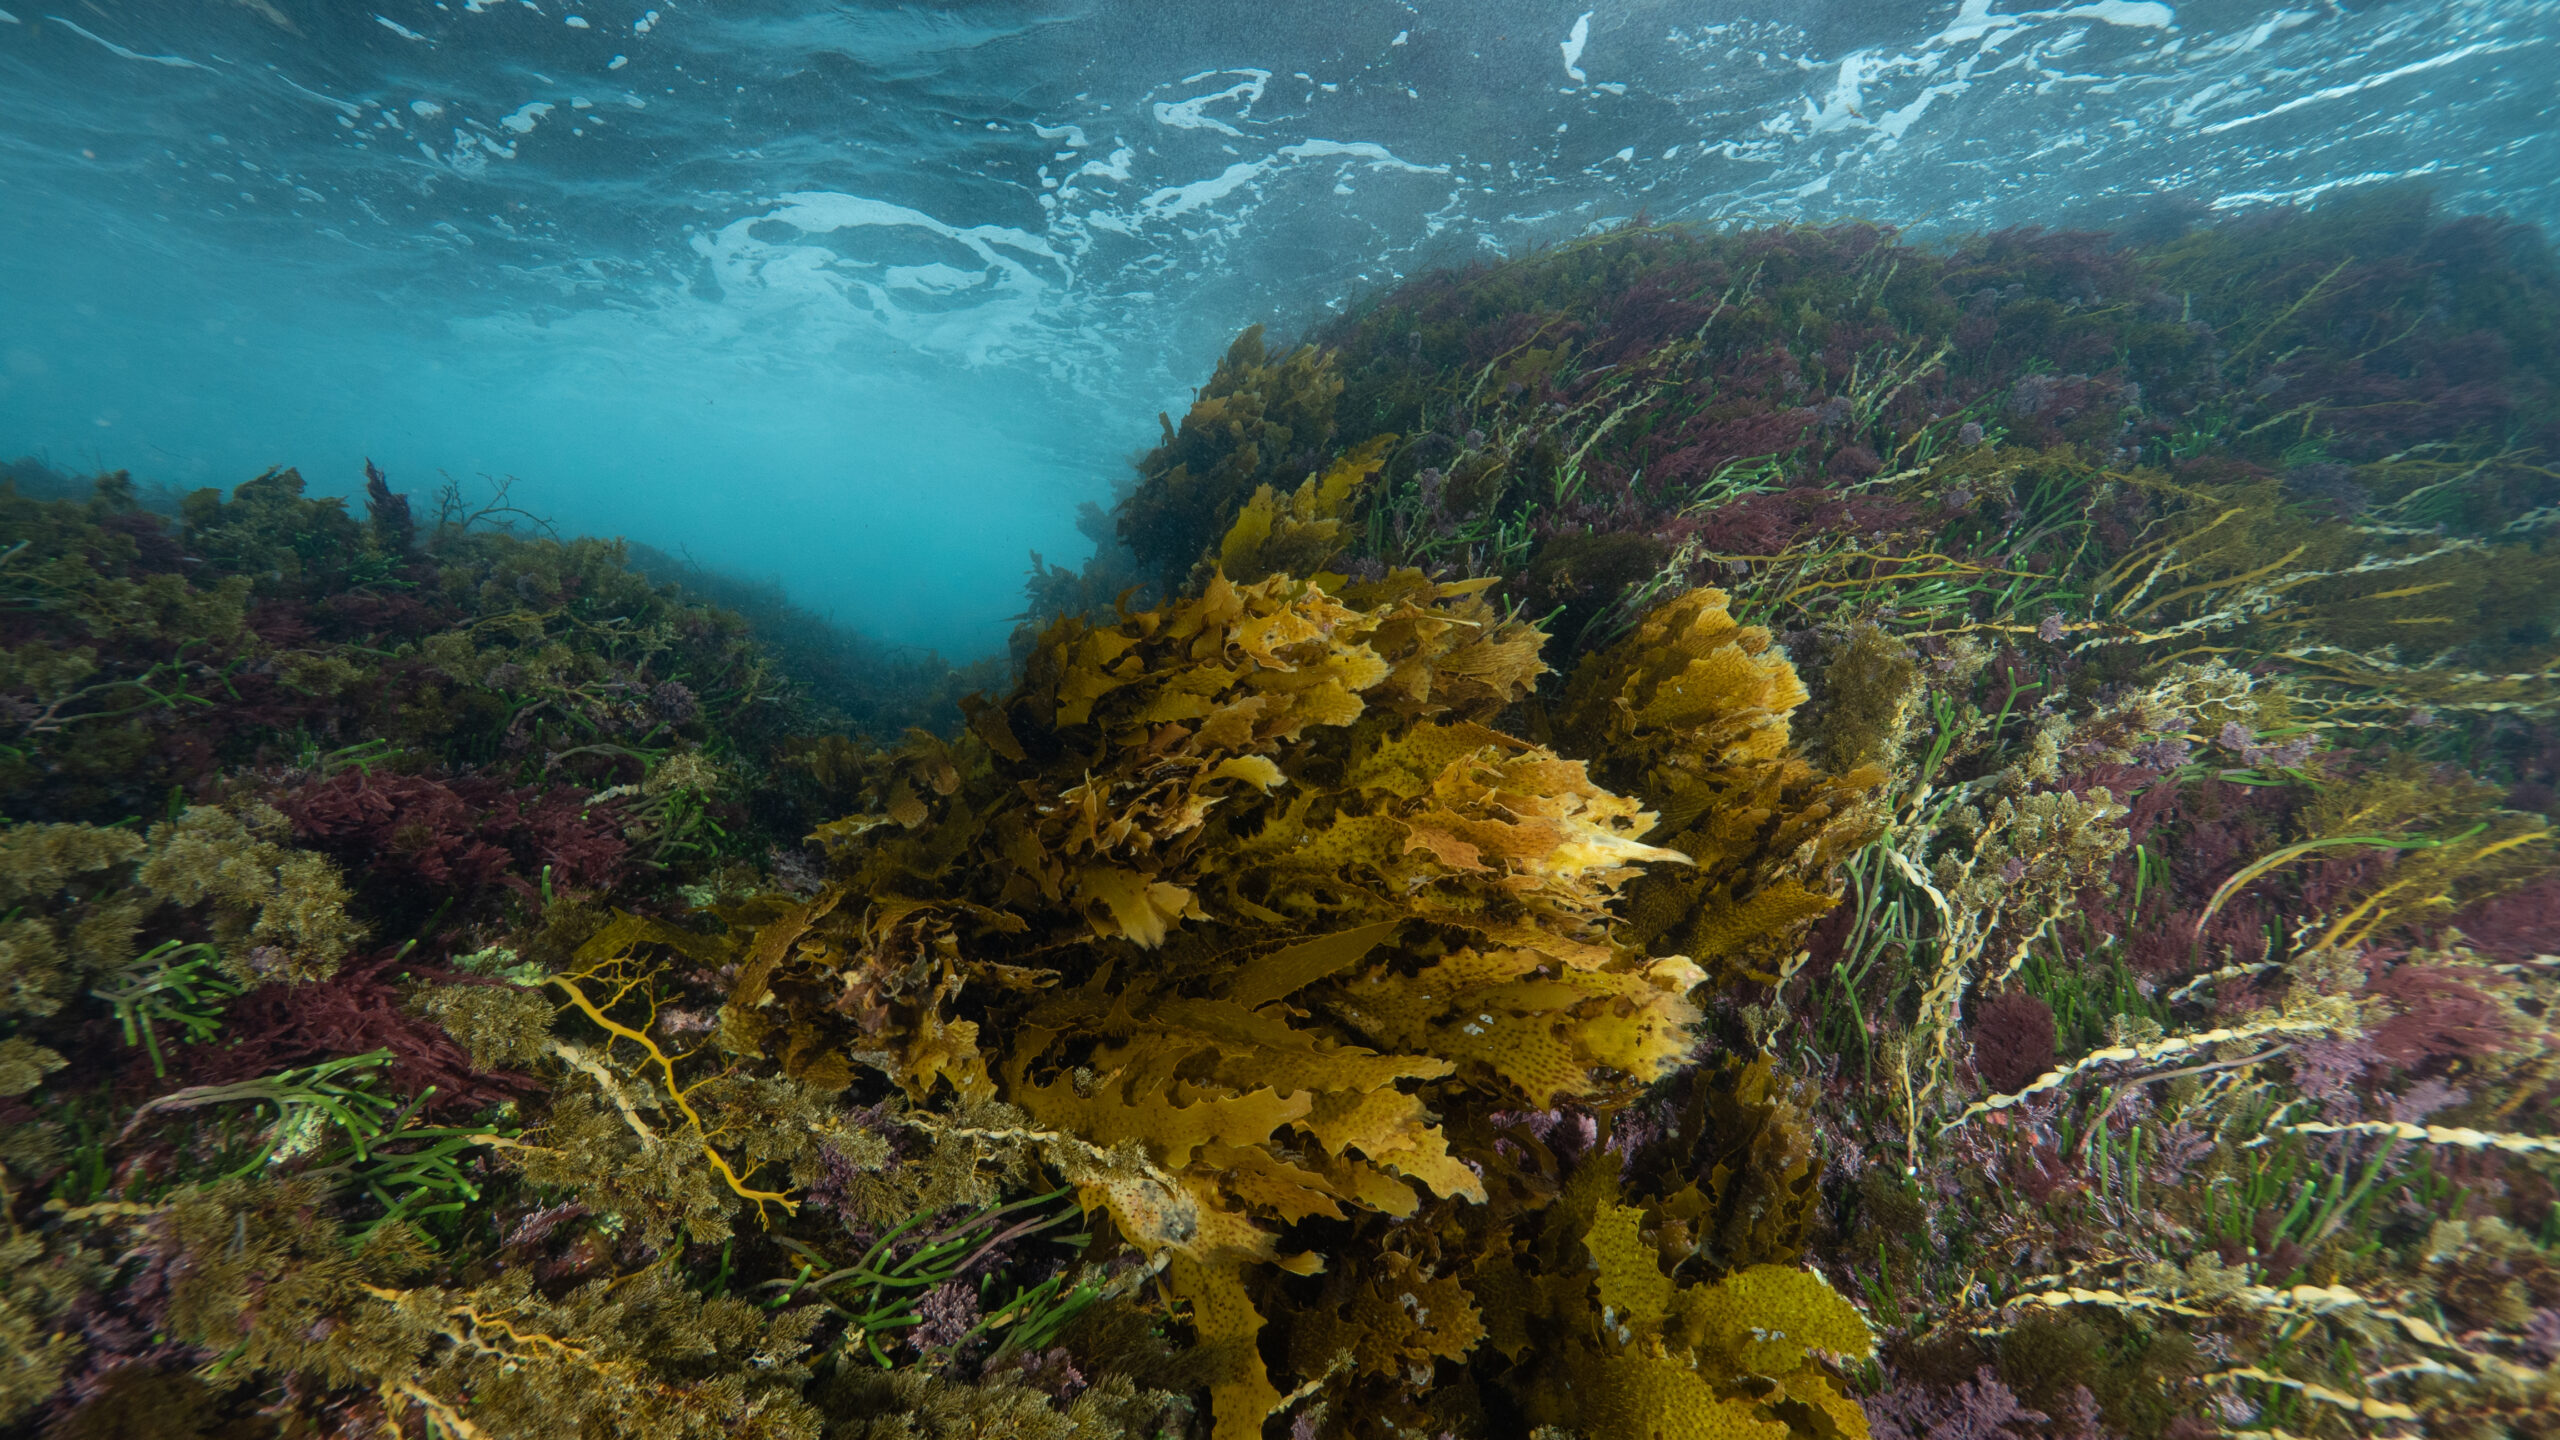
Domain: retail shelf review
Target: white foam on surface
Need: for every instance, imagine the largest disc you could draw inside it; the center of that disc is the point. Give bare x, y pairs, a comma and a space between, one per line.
2357, 86
1192, 114
1115, 168
2267, 29
345, 108
1974, 20
179, 62
827, 278
1183, 199
2136, 14
1843, 108
1896, 122
1200, 194
2306, 194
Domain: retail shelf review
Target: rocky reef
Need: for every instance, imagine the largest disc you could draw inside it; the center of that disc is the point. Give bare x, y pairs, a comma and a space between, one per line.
1763, 833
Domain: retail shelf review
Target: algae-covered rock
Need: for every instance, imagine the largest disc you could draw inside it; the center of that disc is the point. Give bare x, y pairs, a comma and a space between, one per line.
1769, 832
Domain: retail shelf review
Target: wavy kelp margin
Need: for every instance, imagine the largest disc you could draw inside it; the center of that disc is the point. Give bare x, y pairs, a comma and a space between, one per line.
2027, 911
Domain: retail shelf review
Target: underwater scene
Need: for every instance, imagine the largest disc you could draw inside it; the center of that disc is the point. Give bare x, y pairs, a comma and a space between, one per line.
1175, 720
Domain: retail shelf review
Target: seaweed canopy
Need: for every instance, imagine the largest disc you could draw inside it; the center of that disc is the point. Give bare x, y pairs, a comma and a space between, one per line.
1691, 712
1235, 899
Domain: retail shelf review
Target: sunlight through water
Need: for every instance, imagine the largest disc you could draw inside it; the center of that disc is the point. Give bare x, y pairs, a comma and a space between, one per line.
869, 298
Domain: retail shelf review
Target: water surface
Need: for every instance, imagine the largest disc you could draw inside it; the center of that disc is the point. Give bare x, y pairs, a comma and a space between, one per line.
868, 298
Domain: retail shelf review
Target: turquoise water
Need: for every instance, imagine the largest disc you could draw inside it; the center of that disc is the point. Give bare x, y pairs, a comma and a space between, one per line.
868, 299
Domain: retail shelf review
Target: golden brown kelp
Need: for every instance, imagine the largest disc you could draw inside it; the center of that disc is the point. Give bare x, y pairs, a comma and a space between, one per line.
1272, 870
1241, 906
1691, 712
1260, 419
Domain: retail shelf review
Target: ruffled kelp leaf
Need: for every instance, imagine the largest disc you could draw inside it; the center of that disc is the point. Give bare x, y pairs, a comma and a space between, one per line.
1691, 714
1385, 1319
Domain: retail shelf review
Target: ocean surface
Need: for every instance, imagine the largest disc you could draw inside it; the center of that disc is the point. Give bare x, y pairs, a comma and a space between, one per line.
866, 299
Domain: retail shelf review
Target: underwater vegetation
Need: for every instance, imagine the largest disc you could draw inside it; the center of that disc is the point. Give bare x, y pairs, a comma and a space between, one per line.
1771, 833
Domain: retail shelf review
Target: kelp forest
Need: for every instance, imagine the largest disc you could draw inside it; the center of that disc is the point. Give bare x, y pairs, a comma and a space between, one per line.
1756, 834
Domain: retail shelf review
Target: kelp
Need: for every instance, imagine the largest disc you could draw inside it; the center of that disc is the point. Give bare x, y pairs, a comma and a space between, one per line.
1597, 1328
1300, 534
1692, 712
1119, 837
2136, 575
1260, 419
